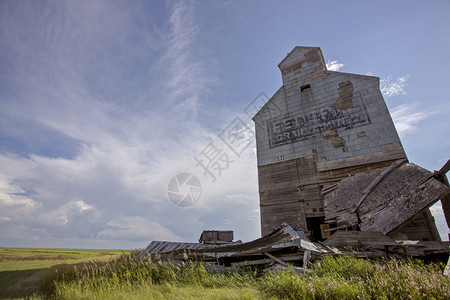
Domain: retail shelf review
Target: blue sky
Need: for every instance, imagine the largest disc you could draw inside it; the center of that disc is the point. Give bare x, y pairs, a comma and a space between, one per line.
103, 102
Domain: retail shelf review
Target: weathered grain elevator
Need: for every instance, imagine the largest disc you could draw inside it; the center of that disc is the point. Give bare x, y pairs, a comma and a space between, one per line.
321, 127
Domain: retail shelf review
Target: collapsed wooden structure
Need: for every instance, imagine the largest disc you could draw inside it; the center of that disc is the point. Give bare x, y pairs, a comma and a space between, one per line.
286, 245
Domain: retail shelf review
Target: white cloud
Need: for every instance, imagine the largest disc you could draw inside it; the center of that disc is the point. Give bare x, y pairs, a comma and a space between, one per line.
125, 145
334, 65
390, 87
186, 79
67, 212
407, 116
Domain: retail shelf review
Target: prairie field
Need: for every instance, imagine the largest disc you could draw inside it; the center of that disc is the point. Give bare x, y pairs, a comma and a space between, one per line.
21, 269
106, 274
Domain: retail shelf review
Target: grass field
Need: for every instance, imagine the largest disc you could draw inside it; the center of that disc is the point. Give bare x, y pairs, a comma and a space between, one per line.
21, 270
97, 274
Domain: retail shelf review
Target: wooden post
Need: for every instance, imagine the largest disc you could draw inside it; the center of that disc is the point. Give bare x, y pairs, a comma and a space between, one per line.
306, 259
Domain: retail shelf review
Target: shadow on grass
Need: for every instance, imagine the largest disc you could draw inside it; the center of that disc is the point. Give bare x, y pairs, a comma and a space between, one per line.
20, 284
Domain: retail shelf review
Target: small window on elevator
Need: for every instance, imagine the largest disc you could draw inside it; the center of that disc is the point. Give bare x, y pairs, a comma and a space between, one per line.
305, 88
306, 93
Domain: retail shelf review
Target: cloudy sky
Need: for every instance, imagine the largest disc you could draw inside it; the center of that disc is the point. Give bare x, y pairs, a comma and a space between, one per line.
102, 103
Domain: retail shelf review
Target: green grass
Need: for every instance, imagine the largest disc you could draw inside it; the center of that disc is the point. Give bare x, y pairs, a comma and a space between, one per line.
21, 270
13, 259
330, 278
351, 278
162, 291
126, 277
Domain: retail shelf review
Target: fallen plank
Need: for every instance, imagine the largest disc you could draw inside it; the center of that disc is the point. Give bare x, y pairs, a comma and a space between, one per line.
275, 259
276, 268
377, 180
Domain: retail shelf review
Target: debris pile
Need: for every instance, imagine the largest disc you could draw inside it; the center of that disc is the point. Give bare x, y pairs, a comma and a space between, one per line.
286, 245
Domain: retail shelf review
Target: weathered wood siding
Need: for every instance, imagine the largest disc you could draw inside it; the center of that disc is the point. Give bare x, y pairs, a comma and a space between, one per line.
421, 228
289, 192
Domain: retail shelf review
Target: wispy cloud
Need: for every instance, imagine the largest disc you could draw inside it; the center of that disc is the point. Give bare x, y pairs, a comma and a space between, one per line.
406, 117
334, 65
392, 87
186, 78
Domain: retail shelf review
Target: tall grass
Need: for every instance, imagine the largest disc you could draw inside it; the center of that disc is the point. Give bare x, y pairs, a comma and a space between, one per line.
329, 278
353, 278
128, 273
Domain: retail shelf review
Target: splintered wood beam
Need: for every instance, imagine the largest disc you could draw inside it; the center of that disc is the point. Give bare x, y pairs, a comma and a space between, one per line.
377, 180
443, 170
297, 257
337, 228
275, 259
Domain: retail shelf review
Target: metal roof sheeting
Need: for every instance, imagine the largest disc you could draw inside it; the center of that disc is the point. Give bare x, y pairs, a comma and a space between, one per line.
156, 247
